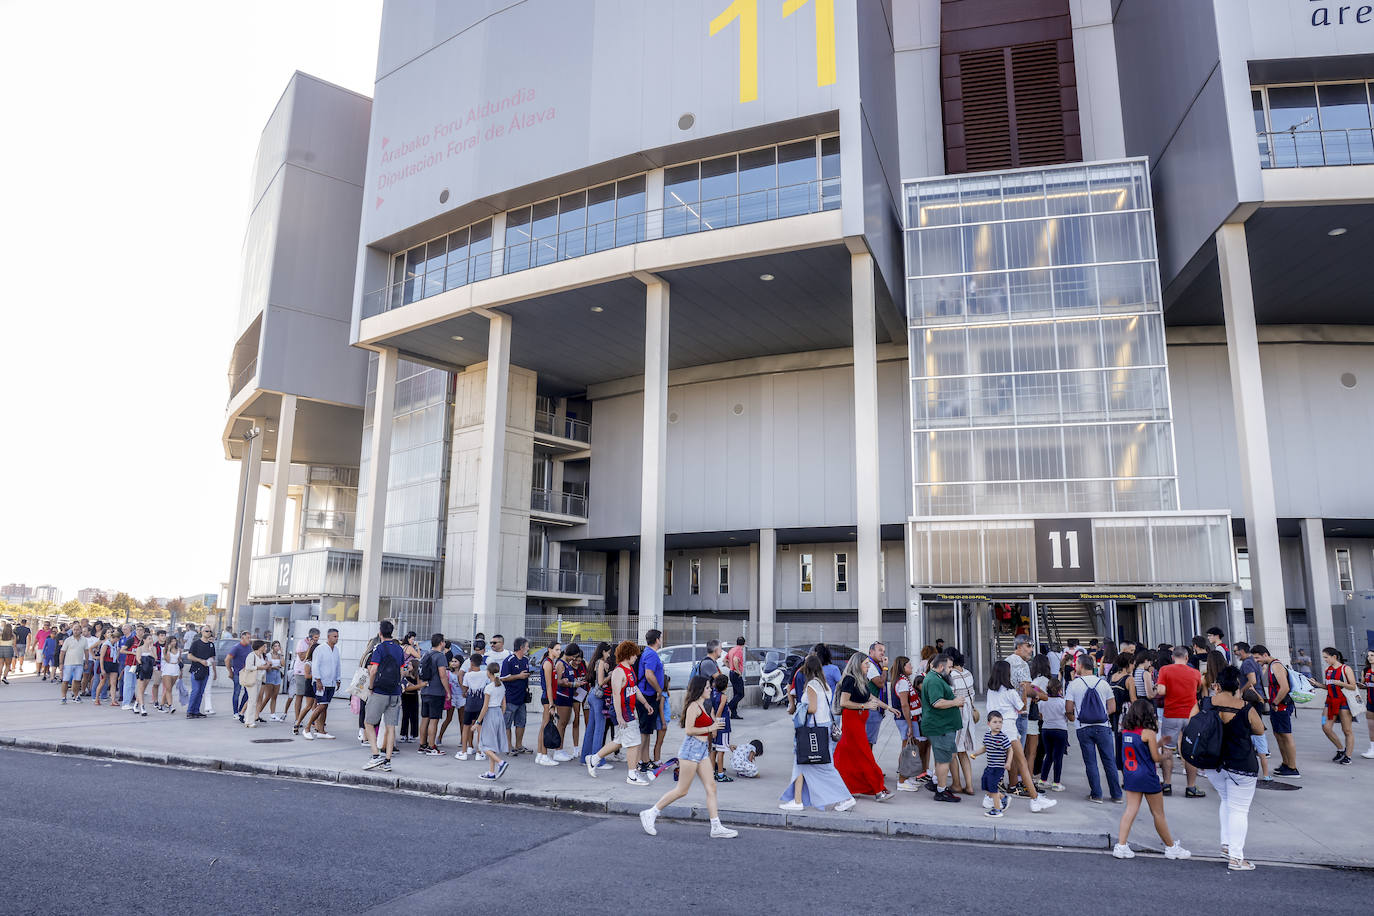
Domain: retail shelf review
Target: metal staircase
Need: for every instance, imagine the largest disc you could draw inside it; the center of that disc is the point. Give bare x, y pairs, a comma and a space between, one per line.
1059, 622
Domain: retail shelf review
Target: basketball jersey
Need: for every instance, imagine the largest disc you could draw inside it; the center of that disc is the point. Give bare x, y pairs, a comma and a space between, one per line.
628, 694
1138, 764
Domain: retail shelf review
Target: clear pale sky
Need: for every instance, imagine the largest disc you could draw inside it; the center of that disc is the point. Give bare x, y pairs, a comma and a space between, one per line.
126, 146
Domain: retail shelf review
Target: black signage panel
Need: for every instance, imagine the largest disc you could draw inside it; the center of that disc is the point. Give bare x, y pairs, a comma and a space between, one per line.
1064, 550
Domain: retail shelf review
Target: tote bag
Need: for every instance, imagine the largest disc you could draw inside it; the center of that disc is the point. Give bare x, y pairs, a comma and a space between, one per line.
813, 742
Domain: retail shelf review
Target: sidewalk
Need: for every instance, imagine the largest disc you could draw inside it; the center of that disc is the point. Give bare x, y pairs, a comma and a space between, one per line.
1285, 826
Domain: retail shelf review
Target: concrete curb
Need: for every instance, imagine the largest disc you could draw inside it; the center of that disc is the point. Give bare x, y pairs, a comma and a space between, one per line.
827, 821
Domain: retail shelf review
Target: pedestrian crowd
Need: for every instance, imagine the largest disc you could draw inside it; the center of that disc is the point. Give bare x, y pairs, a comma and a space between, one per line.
1137, 714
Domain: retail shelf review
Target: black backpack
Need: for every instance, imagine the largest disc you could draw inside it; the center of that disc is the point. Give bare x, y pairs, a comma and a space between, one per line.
388, 673
1200, 743
427, 665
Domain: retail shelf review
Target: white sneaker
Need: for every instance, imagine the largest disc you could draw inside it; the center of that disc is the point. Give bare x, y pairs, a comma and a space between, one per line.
1176, 851
845, 805
1041, 803
544, 760
131, 706
646, 820
908, 785
325, 735
562, 756
635, 779
987, 802
721, 832
277, 717
1369, 754
480, 756
590, 762
308, 735
793, 806
1123, 851
362, 736
461, 755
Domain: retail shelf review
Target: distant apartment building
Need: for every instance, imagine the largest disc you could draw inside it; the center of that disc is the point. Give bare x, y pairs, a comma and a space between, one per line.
16, 593
90, 595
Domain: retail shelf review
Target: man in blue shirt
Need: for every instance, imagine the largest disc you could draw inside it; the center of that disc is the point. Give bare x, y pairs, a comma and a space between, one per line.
233, 662
384, 700
650, 681
515, 674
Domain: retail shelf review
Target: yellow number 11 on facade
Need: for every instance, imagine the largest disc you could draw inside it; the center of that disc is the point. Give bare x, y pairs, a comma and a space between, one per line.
747, 12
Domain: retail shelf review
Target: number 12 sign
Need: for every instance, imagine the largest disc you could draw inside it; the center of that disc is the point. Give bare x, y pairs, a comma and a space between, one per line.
1064, 550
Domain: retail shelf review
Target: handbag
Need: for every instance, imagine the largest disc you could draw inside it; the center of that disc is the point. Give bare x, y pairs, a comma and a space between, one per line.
812, 743
1354, 698
552, 739
248, 677
909, 761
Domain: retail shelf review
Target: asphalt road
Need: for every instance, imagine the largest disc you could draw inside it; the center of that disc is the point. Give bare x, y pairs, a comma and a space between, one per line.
239, 844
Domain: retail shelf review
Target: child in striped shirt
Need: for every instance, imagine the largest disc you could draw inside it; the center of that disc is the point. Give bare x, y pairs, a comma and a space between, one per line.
997, 746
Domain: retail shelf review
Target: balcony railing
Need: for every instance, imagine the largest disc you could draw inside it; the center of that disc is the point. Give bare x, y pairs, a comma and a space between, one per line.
1297, 149
564, 581
549, 424
682, 218
337, 521
556, 503
246, 374
334, 572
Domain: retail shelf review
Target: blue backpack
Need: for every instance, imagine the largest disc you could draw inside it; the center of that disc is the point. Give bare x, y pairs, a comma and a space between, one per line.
1093, 711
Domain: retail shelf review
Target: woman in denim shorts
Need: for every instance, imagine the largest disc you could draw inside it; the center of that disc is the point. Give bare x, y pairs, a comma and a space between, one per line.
700, 727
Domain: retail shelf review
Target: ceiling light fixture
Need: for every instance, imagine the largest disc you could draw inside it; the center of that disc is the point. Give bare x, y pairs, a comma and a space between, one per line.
597, 308
456, 337
766, 278
1338, 231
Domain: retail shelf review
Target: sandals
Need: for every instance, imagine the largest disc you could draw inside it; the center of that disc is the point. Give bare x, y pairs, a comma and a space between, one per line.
1240, 865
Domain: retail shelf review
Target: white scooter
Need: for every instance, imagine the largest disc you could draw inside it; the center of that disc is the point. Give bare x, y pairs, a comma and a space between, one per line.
772, 685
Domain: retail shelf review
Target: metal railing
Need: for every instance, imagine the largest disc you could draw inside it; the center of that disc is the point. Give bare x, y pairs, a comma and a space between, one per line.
683, 218
1296, 149
564, 581
246, 374
333, 520
558, 503
549, 424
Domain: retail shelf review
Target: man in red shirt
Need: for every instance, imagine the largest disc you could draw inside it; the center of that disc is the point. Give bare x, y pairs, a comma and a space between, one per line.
734, 661
1178, 684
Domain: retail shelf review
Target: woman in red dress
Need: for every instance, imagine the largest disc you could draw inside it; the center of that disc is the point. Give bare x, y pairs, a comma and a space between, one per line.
853, 755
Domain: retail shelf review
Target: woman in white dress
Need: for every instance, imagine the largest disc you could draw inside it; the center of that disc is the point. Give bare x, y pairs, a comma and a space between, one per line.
171, 671
965, 739
816, 785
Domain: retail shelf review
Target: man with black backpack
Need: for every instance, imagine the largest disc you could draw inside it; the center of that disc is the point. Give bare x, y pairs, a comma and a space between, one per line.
1089, 705
384, 702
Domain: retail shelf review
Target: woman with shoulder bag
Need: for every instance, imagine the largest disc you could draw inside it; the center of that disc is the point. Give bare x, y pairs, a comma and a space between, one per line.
250, 678
693, 761
815, 785
358, 689
1236, 778
1339, 678
598, 672
853, 754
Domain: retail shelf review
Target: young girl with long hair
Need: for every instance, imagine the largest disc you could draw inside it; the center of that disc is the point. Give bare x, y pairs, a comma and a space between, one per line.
1141, 749
1338, 676
171, 671
693, 761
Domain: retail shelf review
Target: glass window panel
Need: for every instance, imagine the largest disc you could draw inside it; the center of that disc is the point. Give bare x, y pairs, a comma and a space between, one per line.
1033, 346
1136, 393
719, 186
984, 248
940, 298
457, 274
1029, 293
1028, 244
1122, 286
948, 401
1088, 496
681, 193
1135, 450
415, 274
1117, 187
1023, 195
601, 217
1079, 345
947, 456
997, 498
1037, 398
517, 254
572, 225
1085, 452
1116, 237
992, 399
980, 199
994, 454
797, 190
938, 204
1040, 453
830, 173
1130, 341
758, 180
1069, 241
1261, 128
940, 252
1083, 396
987, 294
479, 251
990, 349
1293, 116
1066, 191
1073, 290
946, 350
544, 231
629, 210
1346, 135
435, 254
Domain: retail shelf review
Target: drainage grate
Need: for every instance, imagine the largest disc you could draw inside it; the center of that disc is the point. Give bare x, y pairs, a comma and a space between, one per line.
270, 741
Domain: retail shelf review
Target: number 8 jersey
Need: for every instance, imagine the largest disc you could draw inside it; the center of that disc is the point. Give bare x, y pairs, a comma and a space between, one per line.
1139, 764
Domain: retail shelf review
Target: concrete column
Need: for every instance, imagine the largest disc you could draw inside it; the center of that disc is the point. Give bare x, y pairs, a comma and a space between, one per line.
653, 193
768, 567
379, 475
245, 519
622, 610
866, 447
1317, 578
491, 474
1252, 433
281, 474
652, 496
753, 634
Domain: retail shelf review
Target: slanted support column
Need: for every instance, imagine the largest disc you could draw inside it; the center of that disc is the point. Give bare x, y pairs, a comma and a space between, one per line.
1252, 434
1318, 580
866, 447
379, 475
768, 565
653, 496
245, 518
281, 474
491, 474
